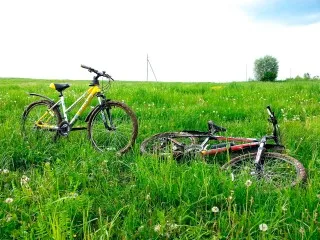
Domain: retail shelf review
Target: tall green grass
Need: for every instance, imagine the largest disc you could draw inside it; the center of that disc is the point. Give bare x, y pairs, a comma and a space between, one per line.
74, 192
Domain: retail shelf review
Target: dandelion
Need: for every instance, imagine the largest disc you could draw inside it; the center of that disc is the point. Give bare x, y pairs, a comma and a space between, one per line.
8, 217
173, 226
301, 230
9, 200
73, 195
284, 208
24, 180
148, 197
263, 227
248, 183
215, 209
157, 228
5, 171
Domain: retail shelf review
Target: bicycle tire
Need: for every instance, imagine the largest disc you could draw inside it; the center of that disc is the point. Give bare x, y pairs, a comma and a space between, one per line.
157, 145
32, 113
126, 124
277, 169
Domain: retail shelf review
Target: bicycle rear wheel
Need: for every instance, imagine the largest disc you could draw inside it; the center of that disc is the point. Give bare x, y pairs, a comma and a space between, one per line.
277, 169
113, 127
174, 144
36, 119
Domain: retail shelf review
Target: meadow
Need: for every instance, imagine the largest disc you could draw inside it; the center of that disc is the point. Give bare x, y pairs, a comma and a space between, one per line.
67, 190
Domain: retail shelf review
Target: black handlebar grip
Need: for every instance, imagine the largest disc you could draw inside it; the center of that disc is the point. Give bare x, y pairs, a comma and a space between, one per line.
270, 111
108, 76
86, 67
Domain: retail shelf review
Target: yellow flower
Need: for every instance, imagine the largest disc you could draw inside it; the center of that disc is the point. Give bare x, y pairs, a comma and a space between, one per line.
216, 87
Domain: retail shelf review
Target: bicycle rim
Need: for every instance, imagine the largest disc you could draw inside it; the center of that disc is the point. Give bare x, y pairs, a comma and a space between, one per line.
32, 133
166, 145
113, 128
278, 170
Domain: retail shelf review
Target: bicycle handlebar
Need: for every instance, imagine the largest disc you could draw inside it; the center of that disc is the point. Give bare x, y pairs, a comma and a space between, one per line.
99, 74
273, 119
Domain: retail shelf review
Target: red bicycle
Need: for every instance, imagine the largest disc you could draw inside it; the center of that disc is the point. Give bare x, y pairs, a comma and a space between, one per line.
253, 158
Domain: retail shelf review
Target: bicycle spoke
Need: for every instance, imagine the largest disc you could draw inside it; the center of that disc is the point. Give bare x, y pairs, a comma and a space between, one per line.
120, 132
277, 170
36, 123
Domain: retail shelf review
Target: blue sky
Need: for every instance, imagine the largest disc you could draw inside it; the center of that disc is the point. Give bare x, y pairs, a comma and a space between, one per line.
289, 12
186, 40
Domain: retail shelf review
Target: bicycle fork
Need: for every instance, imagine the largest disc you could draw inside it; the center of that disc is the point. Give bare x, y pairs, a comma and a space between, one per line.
106, 116
260, 152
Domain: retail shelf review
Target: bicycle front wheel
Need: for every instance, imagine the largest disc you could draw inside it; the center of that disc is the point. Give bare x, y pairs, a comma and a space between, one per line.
38, 121
168, 144
276, 169
113, 127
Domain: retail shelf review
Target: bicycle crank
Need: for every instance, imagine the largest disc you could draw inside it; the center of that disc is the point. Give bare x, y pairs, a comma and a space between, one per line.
64, 128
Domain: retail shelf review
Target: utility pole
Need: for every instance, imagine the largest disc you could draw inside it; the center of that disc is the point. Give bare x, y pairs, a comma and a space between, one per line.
246, 72
290, 72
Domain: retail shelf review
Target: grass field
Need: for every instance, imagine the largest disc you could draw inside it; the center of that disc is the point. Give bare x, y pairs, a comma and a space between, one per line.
68, 190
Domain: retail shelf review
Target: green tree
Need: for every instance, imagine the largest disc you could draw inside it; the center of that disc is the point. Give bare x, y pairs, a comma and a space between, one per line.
266, 68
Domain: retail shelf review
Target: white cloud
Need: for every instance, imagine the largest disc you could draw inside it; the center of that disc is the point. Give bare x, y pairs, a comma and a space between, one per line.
186, 40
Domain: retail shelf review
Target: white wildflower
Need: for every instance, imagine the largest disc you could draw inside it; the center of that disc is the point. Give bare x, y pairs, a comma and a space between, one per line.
148, 197
157, 228
248, 183
215, 209
8, 217
301, 230
24, 180
173, 226
263, 227
5, 171
73, 194
9, 200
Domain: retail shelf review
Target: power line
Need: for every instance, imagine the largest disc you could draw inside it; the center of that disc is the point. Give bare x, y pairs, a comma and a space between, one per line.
149, 64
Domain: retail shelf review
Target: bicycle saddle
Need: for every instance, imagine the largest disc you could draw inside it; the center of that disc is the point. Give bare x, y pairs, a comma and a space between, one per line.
213, 128
59, 86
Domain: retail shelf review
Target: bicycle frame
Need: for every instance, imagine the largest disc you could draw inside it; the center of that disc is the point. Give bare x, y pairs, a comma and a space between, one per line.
248, 143
228, 142
88, 96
